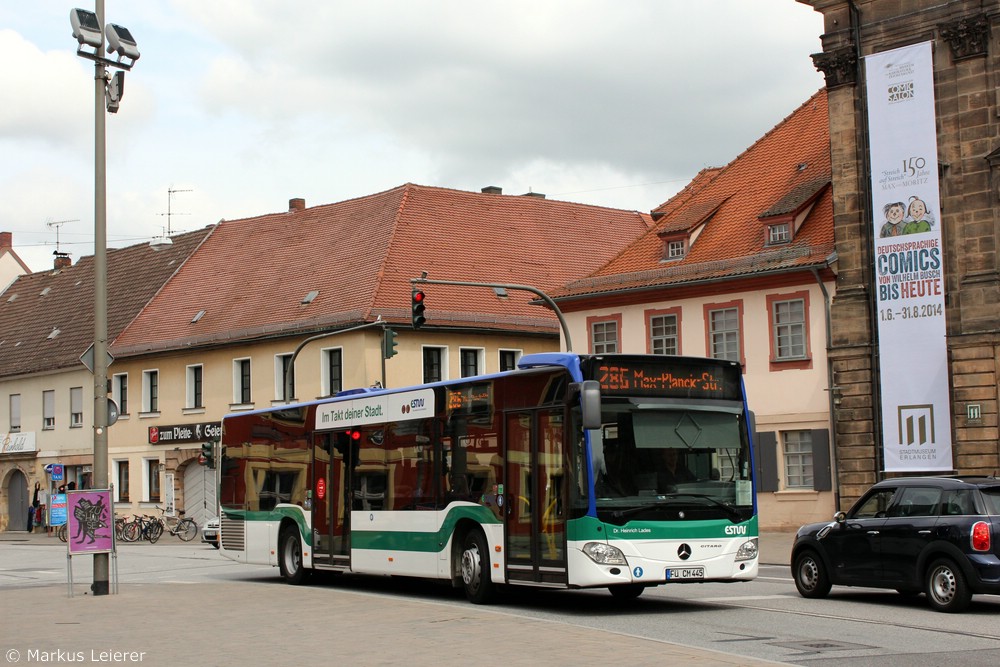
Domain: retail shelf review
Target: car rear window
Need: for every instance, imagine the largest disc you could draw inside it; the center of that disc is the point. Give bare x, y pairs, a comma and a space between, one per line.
958, 502
991, 494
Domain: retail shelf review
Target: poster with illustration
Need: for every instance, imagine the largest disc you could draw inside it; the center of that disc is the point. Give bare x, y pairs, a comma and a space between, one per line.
90, 522
909, 271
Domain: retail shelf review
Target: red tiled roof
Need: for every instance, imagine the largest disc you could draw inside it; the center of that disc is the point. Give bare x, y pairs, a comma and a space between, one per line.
37, 304
251, 275
783, 172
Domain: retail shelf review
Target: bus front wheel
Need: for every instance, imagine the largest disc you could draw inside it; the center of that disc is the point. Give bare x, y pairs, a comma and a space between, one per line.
290, 557
476, 579
626, 591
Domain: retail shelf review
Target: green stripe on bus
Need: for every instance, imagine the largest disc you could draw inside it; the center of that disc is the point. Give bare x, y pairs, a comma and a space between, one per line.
589, 528
420, 541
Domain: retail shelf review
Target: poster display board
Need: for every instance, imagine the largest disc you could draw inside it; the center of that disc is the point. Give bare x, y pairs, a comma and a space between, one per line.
90, 522
57, 509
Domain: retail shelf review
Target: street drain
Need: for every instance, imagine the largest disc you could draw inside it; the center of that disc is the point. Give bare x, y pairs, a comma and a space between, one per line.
814, 645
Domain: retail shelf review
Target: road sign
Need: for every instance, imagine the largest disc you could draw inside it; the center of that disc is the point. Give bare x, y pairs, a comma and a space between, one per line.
88, 358
57, 472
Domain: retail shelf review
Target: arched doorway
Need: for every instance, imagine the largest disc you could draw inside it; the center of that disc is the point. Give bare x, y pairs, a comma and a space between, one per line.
17, 501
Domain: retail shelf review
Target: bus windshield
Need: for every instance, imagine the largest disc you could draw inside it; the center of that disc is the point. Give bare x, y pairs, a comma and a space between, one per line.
671, 458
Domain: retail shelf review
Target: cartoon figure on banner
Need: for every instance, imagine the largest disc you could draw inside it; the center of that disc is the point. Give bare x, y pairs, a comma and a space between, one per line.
90, 517
894, 213
918, 219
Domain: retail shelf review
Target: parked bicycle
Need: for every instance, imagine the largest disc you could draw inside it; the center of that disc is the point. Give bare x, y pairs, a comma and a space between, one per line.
142, 528
184, 528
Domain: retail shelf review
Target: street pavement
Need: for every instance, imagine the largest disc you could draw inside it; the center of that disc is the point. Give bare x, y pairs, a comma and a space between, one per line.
230, 623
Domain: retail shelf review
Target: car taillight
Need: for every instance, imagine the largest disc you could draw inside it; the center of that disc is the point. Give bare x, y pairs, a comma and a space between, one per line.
981, 536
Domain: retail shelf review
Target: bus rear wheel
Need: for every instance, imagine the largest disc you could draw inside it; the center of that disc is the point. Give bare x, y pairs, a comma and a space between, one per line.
290, 557
476, 579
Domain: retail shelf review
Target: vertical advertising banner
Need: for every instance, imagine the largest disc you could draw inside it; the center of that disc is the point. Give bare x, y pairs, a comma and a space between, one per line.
909, 270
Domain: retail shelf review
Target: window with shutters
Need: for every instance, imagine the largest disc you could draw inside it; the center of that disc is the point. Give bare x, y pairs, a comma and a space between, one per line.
15, 413
48, 410
797, 454
793, 460
76, 407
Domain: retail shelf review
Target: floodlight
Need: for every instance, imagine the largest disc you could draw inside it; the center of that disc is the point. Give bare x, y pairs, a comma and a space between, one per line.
120, 40
86, 28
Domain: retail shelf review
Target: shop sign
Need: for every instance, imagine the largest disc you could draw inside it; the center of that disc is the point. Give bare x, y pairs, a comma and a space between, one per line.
168, 435
17, 443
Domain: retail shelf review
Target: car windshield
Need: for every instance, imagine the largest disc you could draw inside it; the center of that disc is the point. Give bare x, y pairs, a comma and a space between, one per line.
661, 458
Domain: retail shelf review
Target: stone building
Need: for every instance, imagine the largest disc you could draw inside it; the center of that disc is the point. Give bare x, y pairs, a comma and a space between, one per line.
965, 37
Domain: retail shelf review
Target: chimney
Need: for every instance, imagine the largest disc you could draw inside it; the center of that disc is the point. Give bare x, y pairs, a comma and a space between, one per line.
6, 240
62, 261
492, 190
537, 195
296, 204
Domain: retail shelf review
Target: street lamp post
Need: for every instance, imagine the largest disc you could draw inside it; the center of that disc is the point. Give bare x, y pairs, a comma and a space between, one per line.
87, 31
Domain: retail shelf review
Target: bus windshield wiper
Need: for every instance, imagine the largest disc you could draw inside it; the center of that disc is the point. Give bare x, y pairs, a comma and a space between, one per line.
668, 499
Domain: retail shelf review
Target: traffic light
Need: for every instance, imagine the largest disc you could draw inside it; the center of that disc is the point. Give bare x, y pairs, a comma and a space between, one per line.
207, 457
417, 306
389, 344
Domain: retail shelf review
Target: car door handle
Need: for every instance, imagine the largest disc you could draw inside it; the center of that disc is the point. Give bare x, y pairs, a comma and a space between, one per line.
924, 532
873, 532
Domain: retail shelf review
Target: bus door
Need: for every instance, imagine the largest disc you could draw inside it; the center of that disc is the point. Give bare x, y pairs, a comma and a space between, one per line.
333, 457
536, 497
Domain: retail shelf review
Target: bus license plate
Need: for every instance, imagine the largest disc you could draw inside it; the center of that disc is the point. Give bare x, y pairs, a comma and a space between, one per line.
685, 573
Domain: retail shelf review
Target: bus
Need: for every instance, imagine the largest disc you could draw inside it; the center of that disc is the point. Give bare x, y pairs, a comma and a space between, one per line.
570, 471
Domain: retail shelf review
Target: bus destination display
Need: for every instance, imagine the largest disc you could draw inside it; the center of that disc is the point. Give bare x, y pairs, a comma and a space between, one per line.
677, 381
469, 400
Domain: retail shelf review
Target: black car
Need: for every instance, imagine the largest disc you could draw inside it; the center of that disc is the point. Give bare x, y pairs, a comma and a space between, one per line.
936, 535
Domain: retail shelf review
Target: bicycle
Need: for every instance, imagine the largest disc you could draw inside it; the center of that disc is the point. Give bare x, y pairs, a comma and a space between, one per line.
142, 528
184, 528
120, 524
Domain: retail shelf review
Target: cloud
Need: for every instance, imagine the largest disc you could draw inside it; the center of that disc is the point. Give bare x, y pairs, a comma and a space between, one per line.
251, 102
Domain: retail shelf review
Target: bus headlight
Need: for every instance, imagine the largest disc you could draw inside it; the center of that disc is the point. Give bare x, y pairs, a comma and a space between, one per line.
747, 550
604, 554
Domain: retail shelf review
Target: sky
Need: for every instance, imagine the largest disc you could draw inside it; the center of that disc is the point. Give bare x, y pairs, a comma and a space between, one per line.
238, 106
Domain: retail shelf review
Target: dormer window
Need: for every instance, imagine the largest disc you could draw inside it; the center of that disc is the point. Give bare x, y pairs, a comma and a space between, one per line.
779, 233
676, 249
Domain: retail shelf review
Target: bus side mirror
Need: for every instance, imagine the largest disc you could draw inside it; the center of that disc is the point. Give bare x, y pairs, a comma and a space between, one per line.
590, 403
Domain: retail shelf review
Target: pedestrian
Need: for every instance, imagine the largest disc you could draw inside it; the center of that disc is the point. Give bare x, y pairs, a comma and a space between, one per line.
34, 507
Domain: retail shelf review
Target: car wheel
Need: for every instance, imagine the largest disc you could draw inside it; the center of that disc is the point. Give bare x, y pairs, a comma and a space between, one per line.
290, 557
810, 575
946, 587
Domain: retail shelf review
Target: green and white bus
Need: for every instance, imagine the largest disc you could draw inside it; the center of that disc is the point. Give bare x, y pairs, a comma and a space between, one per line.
572, 471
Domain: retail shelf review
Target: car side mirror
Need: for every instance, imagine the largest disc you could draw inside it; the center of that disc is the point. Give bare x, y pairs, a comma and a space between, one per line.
840, 517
